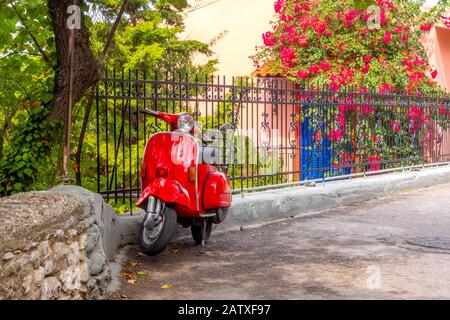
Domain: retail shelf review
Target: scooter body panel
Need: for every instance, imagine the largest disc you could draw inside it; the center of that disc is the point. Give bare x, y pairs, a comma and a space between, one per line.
167, 158
173, 154
169, 191
217, 191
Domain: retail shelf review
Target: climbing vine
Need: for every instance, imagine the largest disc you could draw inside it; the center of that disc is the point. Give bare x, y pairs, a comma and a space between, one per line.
25, 155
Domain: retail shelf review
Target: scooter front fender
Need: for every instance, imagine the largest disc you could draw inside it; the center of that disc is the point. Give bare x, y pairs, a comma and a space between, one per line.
169, 191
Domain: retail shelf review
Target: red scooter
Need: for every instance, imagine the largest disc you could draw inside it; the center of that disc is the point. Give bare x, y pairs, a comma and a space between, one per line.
179, 186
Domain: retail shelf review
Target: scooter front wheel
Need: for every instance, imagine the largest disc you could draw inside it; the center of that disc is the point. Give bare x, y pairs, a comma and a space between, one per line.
155, 239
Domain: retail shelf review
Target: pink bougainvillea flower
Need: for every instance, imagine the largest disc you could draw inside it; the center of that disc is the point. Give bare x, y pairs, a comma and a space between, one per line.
300, 8
320, 28
303, 43
340, 118
367, 110
334, 86
386, 88
395, 126
346, 159
286, 18
434, 74
366, 68
387, 37
374, 137
415, 114
268, 39
383, 20
336, 135
350, 15
425, 27
314, 69
386, 4
287, 54
374, 163
302, 74
317, 136
325, 66
367, 59
278, 5
405, 38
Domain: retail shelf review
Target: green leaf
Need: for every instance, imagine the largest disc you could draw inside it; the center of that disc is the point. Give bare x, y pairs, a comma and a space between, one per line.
17, 186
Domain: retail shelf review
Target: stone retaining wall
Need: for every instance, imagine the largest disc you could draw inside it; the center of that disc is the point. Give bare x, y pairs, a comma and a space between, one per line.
52, 245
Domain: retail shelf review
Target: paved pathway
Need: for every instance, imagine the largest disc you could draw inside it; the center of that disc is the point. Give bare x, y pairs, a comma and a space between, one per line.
336, 254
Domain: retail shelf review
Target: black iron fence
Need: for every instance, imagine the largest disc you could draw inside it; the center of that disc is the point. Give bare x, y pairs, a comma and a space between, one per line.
282, 133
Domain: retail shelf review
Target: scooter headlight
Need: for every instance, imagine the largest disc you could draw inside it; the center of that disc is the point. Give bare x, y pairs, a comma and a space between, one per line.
186, 122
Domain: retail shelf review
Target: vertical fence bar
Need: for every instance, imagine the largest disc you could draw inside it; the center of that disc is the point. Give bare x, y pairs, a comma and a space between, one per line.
99, 189
106, 133
125, 101
114, 176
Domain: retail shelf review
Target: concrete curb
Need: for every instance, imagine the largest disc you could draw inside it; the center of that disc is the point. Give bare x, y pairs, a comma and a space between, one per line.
255, 208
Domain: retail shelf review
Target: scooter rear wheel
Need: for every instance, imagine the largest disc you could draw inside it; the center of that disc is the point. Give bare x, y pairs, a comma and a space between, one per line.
196, 231
154, 241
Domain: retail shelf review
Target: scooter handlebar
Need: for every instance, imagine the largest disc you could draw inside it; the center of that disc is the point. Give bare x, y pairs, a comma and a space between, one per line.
149, 112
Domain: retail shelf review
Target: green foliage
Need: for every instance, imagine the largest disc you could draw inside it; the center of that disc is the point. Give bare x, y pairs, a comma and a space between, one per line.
25, 156
335, 43
147, 38
27, 54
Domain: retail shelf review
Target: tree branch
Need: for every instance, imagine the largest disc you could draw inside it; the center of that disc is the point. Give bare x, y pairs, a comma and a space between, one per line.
36, 43
91, 95
110, 38
19, 84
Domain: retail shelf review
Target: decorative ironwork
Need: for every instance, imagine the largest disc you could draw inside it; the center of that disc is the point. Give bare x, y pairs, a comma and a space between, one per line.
290, 132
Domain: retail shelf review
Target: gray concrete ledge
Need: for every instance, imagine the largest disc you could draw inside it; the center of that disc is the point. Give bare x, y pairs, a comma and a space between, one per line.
259, 207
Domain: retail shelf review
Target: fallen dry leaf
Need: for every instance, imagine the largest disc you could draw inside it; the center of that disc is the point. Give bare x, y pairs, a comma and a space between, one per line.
131, 278
127, 275
132, 264
166, 286
124, 296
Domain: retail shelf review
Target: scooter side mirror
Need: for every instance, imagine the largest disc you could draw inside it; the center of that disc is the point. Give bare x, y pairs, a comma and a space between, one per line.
225, 127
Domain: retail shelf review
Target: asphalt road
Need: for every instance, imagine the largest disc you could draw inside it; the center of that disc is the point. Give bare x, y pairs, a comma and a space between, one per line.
348, 253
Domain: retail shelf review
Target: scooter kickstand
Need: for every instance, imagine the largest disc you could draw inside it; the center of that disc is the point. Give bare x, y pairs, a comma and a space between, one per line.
203, 251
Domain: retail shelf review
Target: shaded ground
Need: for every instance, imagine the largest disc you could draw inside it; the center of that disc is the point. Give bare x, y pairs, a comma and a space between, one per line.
336, 254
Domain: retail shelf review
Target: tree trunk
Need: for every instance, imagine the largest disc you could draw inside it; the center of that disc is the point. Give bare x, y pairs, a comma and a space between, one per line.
85, 66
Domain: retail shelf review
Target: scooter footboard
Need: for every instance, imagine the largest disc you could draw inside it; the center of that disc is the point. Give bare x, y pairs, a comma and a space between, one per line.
169, 191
